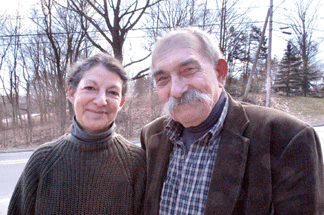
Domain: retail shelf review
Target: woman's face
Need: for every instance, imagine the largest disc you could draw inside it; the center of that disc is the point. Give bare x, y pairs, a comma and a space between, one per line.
97, 99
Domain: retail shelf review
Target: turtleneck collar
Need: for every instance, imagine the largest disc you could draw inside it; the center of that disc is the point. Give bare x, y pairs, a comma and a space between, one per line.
192, 134
80, 136
212, 118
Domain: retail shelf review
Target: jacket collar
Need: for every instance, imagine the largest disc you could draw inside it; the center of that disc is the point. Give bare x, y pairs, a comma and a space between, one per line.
157, 165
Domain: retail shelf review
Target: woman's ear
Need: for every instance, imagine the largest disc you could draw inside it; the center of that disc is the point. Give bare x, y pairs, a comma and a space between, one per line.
122, 102
222, 69
71, 93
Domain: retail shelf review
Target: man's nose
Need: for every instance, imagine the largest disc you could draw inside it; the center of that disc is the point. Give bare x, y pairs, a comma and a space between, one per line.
178, 87
101, 98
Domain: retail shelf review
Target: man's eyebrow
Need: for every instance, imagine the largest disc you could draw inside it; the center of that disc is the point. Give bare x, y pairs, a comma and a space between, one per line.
184, 63
189, 61
156, 73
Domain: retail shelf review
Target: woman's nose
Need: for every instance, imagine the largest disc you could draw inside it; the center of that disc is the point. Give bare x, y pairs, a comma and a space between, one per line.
101, 98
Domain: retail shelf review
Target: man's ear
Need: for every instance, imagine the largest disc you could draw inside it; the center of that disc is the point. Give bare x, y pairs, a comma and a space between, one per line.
222, 69
71, 93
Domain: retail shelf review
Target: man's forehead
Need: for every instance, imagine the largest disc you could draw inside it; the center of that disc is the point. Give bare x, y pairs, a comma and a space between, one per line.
173, 44
178, 39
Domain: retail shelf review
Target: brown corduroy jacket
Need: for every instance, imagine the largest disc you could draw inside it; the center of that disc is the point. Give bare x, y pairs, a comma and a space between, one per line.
268, 162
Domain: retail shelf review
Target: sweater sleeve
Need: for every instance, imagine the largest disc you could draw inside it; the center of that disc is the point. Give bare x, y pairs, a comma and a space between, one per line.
24, 195
139, 173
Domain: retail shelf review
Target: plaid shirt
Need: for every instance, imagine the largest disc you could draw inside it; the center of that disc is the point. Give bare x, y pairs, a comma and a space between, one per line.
186, 185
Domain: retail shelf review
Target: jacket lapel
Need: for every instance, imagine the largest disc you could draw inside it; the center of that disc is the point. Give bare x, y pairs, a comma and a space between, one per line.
230, 162
157, 165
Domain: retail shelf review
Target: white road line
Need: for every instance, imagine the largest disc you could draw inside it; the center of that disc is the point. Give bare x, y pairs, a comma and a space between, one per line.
8, 162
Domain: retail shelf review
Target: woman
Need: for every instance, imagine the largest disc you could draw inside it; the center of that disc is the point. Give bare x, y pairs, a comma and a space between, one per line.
91, 170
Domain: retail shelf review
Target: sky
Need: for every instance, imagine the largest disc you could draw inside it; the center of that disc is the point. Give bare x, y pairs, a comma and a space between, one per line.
258, 12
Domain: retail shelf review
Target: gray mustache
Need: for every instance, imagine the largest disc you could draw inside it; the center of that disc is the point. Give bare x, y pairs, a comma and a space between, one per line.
186, 98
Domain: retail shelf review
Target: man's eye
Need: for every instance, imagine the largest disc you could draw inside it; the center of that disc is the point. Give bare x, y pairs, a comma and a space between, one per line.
162, 80
190, 70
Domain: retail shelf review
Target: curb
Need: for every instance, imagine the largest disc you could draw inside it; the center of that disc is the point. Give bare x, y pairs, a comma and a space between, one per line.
17, 150
318, 125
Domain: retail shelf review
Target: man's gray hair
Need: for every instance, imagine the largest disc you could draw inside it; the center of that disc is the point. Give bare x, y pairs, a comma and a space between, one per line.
209, 44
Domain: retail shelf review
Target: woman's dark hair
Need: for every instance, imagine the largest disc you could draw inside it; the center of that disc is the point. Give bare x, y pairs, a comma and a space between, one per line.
110, 63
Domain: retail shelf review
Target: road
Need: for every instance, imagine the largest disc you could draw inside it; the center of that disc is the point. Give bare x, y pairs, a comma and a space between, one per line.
11, 166
320, 132
13, 163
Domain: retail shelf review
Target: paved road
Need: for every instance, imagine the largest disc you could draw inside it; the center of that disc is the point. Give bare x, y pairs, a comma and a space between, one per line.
320, 132
12, 164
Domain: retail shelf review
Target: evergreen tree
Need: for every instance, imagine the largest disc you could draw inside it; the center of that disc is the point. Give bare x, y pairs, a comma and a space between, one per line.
306, 76
288, 75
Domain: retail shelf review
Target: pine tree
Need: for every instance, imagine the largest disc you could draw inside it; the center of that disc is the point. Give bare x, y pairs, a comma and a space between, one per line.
306, 76
288, 75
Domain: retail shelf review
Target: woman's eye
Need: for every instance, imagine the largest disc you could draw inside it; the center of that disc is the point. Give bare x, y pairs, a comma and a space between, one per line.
114, 93
89, 88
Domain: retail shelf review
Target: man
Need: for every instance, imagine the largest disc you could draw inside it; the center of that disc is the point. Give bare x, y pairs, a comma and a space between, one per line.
213, 155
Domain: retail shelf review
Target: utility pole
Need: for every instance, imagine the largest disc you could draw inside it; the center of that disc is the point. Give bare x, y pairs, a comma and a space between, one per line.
269, 58
248, 85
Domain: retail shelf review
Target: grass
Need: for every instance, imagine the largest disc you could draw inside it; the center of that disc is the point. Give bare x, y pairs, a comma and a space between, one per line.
308, 109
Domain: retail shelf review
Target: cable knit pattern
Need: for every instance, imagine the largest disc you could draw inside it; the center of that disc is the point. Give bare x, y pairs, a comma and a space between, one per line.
65, 177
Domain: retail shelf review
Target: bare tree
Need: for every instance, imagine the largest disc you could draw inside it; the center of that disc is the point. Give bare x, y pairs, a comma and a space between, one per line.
234, 39
303, 18
111, 20
171, 14
167, 15
61, 30
28, 108
230, 15
11, 81
12, 91
6, 41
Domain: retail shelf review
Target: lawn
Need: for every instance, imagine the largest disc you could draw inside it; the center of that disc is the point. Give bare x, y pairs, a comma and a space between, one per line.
308, 109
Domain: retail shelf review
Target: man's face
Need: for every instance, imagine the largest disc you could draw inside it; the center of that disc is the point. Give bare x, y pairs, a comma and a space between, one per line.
179, 68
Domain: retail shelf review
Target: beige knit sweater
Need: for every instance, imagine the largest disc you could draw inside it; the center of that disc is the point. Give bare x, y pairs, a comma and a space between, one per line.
64, 177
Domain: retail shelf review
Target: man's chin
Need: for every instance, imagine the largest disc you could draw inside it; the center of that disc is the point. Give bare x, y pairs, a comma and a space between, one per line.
189, 116
180, 115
